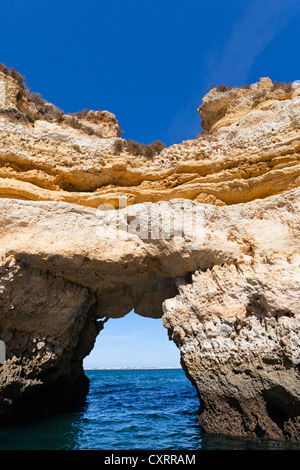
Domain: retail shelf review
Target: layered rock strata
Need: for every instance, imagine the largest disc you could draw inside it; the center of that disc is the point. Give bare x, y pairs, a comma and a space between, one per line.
227, 286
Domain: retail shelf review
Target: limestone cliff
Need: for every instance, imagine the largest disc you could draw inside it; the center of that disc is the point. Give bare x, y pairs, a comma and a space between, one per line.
254, 153
227, 288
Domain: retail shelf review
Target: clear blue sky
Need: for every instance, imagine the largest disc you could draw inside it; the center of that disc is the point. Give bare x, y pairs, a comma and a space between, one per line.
150, 62
133, 341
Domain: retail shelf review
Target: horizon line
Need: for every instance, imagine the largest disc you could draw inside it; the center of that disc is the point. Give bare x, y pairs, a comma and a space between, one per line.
129, 368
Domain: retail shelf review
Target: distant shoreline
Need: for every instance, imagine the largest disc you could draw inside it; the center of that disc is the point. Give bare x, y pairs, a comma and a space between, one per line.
132, 368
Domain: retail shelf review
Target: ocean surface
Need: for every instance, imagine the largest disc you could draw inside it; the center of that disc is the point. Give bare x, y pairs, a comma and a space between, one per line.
129, 409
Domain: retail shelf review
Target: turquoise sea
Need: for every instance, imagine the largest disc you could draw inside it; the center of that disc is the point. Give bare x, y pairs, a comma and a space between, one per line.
128, 409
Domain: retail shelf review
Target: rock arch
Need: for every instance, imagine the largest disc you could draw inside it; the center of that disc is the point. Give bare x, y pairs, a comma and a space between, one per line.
58, 291
230, 301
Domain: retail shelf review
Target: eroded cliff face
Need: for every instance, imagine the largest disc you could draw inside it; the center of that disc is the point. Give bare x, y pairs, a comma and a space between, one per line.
227, 287
238, 327
252, 152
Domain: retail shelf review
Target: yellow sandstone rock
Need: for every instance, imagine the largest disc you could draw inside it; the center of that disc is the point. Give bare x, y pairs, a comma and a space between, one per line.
249, 149
227, 288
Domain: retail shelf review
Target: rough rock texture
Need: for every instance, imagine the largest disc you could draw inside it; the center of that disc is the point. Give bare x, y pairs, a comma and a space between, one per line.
44, 320
227, 288
255, 156
238, 326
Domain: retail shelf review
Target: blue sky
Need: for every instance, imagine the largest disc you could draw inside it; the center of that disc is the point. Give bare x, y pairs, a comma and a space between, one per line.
150, 62
133, 341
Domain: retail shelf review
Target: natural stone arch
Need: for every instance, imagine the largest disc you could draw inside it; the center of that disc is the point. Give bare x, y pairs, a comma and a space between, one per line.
56, 296
53, 327
237, 331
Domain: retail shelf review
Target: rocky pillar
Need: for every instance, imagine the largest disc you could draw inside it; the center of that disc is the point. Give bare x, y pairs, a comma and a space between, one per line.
239, 337
48, 327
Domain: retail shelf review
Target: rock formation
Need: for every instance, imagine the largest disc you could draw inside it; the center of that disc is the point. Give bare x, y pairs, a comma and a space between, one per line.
226, 287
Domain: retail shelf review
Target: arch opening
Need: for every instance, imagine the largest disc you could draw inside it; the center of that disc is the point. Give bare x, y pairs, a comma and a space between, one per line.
133, 341
138, 385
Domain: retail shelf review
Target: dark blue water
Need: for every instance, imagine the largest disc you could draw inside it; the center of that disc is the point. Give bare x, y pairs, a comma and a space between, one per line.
128, 409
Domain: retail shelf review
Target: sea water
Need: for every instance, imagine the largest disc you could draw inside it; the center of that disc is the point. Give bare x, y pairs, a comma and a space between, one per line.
128, 409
